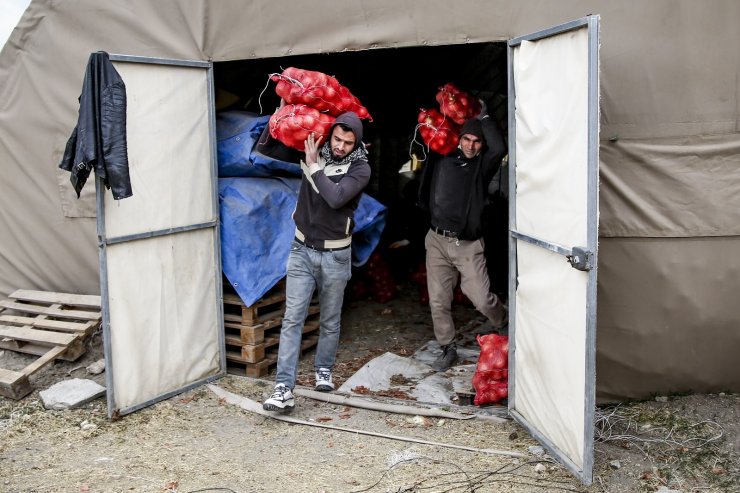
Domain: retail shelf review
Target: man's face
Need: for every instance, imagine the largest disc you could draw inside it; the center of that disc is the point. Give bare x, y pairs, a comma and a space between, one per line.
470, 145
342, 142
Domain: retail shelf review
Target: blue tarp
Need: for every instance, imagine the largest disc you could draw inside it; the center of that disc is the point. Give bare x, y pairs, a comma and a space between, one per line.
257, 230
237, 132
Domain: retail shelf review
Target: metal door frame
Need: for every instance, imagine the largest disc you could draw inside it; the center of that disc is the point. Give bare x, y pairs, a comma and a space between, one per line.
583, 258
104, 241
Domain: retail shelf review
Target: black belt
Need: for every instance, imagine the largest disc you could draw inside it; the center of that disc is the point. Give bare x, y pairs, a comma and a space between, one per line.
444, 232
321, 249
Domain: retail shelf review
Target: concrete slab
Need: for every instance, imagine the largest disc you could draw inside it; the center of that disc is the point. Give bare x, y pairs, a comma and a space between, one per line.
70, 394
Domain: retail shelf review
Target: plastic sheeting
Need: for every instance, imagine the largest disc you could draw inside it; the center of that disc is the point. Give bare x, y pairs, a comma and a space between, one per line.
237, 133
257, 229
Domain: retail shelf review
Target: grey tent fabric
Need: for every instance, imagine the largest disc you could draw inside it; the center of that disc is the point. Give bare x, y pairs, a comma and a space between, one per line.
670, 129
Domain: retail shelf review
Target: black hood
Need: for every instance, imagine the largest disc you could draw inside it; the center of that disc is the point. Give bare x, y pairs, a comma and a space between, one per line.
473, 127
350, 119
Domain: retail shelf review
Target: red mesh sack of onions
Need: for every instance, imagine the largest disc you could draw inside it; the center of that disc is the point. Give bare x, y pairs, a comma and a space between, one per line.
457, 105
491, 375
491, 392
318, 90
292, 124
438, 132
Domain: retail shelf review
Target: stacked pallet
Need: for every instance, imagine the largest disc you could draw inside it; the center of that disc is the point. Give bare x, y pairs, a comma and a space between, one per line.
253, 332
45, 324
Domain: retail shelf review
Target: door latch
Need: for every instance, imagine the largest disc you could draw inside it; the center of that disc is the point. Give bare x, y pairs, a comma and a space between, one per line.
581, 259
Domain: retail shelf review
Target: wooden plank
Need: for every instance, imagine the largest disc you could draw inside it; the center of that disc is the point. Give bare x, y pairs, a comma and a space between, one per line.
23, 347
14, 385
37, 336
9, 376
232, 299
247, 335
49, 356
252, 370
267, 320
253, 353
45, 323
271, 341
268, 299
250, 353
11, 344
236, 320
51, 312
236, 356
273, 301
67, 299
74, 350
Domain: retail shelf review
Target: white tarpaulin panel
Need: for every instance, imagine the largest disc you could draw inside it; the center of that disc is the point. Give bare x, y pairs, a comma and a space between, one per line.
553, 183
168, 148
160, 266
163, 324
551, 137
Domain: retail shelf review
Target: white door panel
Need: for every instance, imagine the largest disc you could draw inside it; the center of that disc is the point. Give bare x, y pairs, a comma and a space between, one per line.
160, 257
553, 154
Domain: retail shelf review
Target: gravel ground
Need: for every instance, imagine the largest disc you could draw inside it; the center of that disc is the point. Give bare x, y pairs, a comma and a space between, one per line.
197, 441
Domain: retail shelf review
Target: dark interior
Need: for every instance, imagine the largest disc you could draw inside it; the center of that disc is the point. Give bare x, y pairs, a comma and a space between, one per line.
394, 84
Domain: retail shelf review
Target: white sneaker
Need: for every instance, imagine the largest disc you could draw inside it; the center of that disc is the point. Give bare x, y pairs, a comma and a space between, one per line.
280, 400
323, 380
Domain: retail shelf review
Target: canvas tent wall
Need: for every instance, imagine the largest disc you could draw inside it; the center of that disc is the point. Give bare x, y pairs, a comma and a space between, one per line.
670, 151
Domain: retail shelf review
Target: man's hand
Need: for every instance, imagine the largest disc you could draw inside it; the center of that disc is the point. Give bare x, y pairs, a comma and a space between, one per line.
312, 149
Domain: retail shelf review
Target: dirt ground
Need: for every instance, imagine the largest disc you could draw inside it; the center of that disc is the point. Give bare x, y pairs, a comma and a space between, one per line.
197, 441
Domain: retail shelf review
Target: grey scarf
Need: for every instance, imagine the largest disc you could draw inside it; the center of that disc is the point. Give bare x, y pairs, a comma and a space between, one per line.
358, 153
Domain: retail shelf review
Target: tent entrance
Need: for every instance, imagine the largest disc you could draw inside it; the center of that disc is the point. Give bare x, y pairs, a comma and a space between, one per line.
394, 84
159, 250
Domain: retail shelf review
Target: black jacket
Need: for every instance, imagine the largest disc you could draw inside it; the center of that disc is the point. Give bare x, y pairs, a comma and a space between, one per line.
454, 183
329, 197
99, 139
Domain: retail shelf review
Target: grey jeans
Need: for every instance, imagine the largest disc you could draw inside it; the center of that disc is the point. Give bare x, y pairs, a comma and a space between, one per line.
310, 269
446, 259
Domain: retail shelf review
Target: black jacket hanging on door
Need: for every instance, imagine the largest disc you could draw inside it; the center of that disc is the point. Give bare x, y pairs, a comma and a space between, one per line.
99, 140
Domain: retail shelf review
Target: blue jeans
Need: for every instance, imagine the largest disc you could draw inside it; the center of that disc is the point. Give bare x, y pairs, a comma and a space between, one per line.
308, 269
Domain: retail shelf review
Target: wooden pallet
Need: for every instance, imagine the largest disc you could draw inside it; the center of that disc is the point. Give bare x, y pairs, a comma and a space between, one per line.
264, 311
253, 332
46, 324
236, 365
254, 353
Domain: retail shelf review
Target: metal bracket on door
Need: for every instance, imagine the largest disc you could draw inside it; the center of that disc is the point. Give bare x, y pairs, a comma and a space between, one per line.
578, 257
581, 259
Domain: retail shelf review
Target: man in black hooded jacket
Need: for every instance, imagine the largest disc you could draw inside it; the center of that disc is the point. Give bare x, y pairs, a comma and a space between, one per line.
453, 190
334, 176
